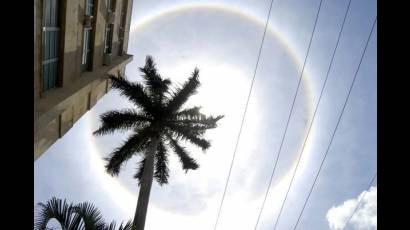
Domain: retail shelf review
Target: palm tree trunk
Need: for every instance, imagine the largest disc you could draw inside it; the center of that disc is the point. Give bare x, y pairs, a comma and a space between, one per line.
145, 188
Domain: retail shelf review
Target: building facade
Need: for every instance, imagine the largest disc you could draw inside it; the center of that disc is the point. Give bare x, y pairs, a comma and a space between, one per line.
77, 45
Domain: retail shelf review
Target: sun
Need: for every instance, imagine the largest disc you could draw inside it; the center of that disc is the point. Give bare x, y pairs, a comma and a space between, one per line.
224, 90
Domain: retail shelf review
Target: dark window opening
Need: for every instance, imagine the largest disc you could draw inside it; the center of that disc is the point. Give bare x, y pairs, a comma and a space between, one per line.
51, 40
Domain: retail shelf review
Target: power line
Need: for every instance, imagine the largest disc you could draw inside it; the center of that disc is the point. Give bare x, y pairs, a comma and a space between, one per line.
290, 114
333, 135
320, 97
244, 113
338, 122
360, 200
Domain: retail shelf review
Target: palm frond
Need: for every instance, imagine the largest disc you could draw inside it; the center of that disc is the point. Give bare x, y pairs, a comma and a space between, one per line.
186, 160
161, 173
134, 92
199, 121
197, 130
140, 170
193, 115
111, 226
127, 226
55, 209
83, 216
182, 95
149, 68
90, 216
136, 143
189, 112
155, 84
187, 133
122, 120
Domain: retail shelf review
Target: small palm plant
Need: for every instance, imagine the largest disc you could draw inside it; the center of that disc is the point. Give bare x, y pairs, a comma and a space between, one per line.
83, 216
159, 122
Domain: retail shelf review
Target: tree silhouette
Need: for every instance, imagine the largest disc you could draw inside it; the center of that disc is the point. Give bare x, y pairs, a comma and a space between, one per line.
83, 216
159, 122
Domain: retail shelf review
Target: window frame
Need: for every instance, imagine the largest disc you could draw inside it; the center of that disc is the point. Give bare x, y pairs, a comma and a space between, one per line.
50, 71
87, 46
109, 33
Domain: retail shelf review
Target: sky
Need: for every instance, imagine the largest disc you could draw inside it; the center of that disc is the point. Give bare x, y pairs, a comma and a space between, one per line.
222, 38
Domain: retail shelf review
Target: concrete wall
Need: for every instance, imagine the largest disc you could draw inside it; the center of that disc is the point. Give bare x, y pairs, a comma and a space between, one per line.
72, 32
56, 110
56, 113
99, 33
72, 44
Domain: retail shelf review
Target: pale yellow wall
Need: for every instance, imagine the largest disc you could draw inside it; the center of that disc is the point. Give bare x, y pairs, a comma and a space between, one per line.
56, 110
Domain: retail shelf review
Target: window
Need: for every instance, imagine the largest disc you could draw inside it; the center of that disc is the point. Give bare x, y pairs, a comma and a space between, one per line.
87, 44
111, 5
121, 32
109, 29
51, 40
108, 38
89, 7
86, 48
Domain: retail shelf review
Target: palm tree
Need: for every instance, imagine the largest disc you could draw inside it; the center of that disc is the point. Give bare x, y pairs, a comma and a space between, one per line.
159, 123
83, 216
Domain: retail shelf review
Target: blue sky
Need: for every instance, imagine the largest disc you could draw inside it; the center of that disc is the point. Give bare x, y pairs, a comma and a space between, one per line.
222, 38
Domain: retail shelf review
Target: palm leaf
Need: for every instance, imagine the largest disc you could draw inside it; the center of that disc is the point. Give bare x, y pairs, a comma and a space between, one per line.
112, 226
189, 112
140, 170
154, 83
127, 226
193, 115
122, 120
90, 215
182, 95
187, 161
84, 216
186, 133
134, 92
136, 143
57, 209
161, 173
201, 122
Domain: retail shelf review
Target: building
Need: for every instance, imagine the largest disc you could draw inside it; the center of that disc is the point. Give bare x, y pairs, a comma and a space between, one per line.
77, 44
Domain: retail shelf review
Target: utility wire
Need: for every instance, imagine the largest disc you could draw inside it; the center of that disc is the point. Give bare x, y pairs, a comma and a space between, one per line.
337, 125
360, 200
290, 114
322, 89
244, 113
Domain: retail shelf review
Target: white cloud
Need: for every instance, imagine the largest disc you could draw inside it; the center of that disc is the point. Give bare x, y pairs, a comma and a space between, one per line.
365, 217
